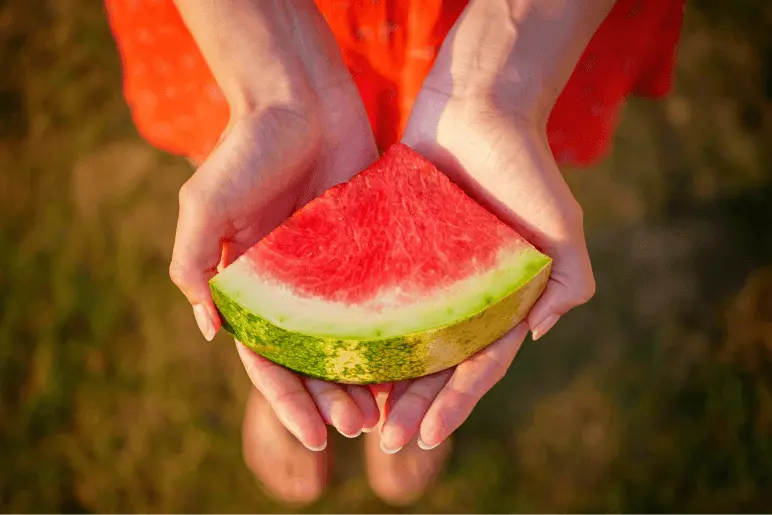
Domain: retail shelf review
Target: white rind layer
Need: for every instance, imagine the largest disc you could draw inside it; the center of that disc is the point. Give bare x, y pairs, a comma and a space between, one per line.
382, 317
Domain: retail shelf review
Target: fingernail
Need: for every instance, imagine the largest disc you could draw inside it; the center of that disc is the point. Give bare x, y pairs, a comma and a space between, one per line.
542, 328
317, 449
351, 436
203, 321
369, 429
423, 445
390, 451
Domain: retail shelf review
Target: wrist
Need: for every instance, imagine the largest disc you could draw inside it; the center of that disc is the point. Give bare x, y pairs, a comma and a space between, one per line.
518, 54
253, 48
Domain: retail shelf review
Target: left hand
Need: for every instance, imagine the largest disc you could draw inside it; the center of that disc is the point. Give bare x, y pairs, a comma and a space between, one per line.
481, 117
502, 159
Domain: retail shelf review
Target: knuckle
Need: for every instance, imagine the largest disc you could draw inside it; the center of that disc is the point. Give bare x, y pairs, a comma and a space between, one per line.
495, 369
465, 400
587, 290
188, 194
192, 196
452, 414
419, 401
323, 389
592, 288
499, 372
576, 217
177, 273
578, 212
285, 400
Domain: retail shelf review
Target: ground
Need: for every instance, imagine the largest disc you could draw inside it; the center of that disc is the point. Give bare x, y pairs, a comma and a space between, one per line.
655, 397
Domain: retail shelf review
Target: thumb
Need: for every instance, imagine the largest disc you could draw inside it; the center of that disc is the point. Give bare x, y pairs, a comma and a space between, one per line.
197, 252
565, 290
203, 226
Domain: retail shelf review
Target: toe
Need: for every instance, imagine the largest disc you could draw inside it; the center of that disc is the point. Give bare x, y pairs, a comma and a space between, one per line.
401, 479
289, 472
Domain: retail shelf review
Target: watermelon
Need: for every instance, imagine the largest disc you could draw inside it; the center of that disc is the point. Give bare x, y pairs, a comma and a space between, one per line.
393, 275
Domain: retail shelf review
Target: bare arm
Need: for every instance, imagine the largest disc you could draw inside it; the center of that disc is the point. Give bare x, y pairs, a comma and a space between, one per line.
481, 118
271, 59
263, 51
519, 51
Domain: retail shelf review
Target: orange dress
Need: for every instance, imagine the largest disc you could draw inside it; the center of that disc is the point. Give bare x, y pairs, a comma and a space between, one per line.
389, 47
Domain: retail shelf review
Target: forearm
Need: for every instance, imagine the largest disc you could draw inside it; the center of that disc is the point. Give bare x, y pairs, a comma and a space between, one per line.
262, 51
518, 51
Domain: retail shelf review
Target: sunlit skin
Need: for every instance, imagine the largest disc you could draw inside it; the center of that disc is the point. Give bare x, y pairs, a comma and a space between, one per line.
481, 118
273, 158
487, 131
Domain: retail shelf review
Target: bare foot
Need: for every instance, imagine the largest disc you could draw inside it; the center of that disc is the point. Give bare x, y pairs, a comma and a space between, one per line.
288, 471
401, 479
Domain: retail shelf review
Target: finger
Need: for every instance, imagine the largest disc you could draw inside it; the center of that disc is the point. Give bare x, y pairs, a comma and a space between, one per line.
470, 381
367, 406
409, 409
571, 284
288, 397
558, 298
204, 222
336, 407
197, 252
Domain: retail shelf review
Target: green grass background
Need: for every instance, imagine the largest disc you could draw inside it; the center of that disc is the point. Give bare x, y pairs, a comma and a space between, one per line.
655, 397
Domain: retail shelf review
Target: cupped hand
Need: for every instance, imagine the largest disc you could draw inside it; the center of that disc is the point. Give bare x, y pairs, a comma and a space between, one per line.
268, 164
501, 159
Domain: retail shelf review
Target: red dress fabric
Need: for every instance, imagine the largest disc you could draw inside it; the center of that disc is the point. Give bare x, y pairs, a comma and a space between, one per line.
389, 47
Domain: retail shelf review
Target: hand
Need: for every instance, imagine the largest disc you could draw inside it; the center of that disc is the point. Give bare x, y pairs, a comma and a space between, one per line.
481, 118
287, 142
502, 159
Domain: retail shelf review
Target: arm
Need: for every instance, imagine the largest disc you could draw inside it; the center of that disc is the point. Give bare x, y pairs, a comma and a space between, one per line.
481, 118
271, 60
521, 52
264, 52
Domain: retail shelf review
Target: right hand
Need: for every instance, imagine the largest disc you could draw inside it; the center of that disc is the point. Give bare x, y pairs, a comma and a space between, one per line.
274, 157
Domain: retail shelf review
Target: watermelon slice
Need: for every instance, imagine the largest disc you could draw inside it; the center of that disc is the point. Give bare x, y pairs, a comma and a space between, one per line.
393, 275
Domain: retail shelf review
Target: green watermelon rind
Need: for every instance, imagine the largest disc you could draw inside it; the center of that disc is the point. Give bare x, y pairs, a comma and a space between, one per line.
378, 360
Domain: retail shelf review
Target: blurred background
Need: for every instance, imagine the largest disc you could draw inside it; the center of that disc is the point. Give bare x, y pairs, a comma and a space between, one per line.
655, 397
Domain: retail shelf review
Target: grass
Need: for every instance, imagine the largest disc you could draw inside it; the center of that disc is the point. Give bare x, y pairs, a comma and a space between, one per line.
655, 397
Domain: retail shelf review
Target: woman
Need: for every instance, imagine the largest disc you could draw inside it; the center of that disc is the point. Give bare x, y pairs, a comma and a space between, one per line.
275, 101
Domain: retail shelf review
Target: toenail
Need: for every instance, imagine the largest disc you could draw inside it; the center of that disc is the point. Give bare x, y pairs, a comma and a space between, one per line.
390, 451
317, 449
351, 436
425, 446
